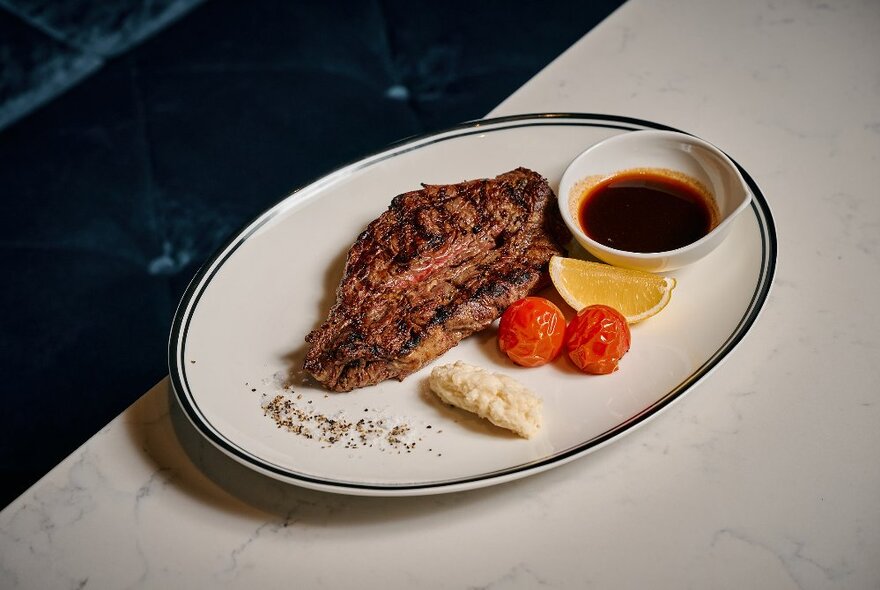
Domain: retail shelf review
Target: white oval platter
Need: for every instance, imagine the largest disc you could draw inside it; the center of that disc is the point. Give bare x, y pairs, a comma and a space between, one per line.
237, 339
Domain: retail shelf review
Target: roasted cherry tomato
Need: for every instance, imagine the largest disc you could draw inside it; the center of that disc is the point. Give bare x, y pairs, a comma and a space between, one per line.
531, 331
596, 339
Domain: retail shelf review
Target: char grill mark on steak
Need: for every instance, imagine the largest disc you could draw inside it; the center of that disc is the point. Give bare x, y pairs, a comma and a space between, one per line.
440, 264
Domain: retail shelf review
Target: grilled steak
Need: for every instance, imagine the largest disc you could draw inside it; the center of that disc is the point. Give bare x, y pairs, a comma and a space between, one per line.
440, 264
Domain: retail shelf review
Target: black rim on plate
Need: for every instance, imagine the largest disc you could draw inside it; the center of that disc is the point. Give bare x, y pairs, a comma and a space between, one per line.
202, 278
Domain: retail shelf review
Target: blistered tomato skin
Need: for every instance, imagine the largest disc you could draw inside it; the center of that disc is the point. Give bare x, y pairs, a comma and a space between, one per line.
531, 331
596, 339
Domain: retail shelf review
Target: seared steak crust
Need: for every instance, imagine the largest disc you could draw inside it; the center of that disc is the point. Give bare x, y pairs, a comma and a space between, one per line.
440, 264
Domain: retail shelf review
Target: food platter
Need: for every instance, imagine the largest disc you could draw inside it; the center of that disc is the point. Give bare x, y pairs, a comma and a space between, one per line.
237, 340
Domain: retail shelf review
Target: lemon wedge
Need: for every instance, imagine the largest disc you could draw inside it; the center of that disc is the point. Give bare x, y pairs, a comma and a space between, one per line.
636, 294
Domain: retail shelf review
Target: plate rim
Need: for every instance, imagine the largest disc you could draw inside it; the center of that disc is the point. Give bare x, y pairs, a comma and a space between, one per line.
202, 278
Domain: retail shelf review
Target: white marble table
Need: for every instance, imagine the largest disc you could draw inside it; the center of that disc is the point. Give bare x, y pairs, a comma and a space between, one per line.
766, 476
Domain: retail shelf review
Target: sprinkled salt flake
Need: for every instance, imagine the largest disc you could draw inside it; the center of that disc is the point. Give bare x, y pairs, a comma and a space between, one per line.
280, 379
370, 429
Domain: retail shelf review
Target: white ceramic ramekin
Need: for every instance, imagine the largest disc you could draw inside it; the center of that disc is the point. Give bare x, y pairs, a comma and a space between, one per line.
665, 150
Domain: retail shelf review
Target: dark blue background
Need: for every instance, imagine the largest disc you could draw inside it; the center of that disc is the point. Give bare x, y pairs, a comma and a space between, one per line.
137, 138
